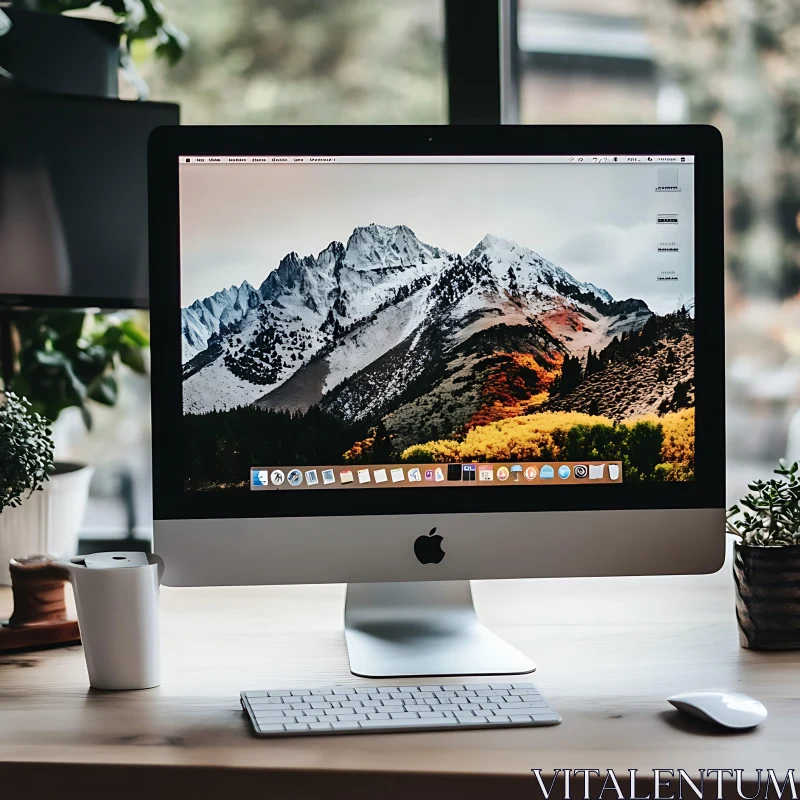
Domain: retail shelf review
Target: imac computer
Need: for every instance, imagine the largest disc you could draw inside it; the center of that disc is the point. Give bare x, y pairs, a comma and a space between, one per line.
406, 357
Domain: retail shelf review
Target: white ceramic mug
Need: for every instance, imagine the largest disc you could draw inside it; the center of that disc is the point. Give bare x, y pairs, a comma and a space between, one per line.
117, 596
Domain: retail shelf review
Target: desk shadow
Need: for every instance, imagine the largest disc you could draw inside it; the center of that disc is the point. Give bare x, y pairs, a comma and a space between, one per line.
688, 724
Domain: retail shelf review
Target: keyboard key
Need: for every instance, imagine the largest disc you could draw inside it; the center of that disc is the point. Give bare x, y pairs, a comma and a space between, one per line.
271, 728
403, 715
299, 692
550, 716
500, 685
520, 717
351, 704
483, 713
430, 688
280, 693
421, 695
296, 726
300, 706
430, 715
346, 726
320, 726
343, 710
248, 695
522, 686
477, 687
378, 716
499, 719
518, 706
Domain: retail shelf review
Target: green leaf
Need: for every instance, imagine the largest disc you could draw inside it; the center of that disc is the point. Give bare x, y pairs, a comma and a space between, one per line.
132, 357
133, 332
104, 390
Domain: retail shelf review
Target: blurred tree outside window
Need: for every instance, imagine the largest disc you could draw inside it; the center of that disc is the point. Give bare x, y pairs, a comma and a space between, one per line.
304, 62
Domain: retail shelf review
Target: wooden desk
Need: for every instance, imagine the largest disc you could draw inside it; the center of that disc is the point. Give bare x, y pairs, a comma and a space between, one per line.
608, 650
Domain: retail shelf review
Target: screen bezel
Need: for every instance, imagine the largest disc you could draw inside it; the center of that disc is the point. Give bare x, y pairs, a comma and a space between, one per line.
172, 502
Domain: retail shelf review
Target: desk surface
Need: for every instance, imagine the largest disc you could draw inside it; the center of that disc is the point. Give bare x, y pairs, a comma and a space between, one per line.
608, 652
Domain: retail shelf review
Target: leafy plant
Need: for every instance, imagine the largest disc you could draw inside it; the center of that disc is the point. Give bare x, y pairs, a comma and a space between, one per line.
26, 451
770, 515
139, 21
69, 358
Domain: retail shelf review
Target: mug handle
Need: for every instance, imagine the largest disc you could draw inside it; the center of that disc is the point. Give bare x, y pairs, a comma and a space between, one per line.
154, 559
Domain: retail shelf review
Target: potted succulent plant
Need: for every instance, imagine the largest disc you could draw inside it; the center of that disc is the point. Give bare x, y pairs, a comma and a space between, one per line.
26, 461
766, 562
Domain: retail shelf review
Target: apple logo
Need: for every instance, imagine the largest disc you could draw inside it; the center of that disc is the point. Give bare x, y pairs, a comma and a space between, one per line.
428, 549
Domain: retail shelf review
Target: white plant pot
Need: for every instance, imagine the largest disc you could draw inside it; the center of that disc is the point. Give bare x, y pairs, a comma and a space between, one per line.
47, 522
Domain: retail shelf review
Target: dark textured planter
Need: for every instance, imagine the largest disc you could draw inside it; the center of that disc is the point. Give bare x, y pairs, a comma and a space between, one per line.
768, 596
67, 55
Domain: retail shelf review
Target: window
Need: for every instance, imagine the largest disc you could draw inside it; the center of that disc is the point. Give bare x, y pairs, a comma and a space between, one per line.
305, 62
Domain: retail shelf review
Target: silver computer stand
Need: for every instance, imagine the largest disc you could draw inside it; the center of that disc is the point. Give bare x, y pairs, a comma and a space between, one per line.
426, 628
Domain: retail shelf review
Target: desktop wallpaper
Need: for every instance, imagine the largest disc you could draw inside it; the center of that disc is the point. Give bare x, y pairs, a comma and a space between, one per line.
419, 313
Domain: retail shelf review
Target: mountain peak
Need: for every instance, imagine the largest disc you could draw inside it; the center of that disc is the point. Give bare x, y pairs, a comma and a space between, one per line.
377, 246
496, 244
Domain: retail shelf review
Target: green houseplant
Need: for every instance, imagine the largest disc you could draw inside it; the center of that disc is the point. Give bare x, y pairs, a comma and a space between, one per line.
62, 360
71, 358
26, 462
766, 565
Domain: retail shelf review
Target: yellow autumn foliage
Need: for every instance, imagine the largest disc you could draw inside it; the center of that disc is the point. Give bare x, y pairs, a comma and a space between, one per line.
677, 451
531, 437
542, 436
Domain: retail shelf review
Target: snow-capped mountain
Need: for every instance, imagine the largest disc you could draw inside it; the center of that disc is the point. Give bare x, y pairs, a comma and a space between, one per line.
356, 326
203, 318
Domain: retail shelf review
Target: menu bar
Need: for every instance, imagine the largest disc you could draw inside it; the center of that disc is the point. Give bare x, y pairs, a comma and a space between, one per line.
396, 476
509, 159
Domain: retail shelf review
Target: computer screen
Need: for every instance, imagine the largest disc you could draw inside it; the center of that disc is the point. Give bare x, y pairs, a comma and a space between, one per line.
361, 323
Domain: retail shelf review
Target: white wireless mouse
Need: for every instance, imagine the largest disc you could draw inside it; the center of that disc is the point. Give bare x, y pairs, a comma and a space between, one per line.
727, 709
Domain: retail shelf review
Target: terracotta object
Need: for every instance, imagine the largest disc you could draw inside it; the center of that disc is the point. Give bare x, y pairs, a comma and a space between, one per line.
40, 612
768, 596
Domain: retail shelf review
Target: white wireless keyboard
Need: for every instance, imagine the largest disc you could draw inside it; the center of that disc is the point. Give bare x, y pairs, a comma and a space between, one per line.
390, 709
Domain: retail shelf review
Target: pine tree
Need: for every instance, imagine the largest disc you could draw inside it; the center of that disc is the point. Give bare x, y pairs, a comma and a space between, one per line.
382, 449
